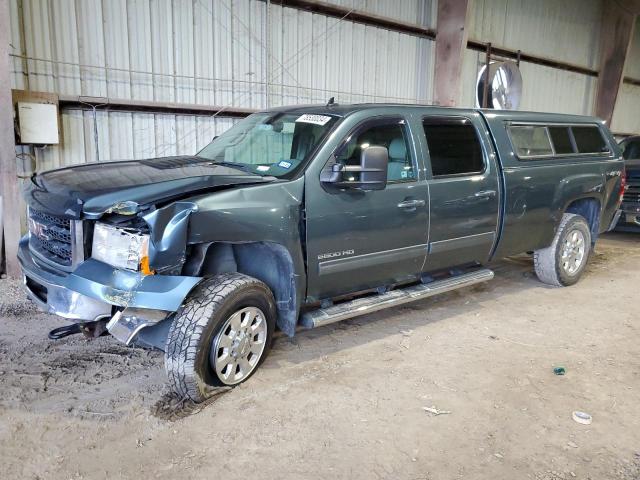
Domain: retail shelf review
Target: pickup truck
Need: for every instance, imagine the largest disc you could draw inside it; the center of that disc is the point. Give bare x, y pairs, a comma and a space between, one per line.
302, 216
630, 218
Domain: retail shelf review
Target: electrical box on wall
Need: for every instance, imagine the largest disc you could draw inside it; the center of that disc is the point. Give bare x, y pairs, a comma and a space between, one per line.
37, 117
38, 123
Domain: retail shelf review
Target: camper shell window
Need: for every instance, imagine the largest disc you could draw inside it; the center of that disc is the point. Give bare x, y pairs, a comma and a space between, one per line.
548, 141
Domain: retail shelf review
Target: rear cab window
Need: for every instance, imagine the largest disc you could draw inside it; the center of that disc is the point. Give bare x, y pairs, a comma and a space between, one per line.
540, 141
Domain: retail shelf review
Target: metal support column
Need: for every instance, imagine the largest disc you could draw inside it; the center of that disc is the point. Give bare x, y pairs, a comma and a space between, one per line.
9, 190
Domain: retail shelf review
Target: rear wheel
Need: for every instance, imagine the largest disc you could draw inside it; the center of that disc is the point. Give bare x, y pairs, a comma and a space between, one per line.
220, 335
563, 262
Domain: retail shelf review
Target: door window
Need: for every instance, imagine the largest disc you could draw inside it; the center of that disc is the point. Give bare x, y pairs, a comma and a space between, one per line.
454, 148
391, 134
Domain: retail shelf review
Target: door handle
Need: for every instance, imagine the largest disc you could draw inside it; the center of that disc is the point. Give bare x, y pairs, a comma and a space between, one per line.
485, 194
411, 204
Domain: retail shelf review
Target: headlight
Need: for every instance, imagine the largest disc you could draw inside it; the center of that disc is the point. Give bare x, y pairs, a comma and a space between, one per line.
120, 248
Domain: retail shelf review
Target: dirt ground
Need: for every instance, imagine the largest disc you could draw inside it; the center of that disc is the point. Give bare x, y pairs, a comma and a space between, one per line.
347, 401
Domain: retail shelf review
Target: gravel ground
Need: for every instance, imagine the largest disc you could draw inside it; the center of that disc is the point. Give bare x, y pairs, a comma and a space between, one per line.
13, 301
356, 399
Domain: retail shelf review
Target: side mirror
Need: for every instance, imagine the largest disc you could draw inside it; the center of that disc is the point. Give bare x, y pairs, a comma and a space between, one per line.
371, 174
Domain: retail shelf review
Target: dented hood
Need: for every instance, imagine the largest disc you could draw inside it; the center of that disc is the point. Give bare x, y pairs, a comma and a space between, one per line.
92, 189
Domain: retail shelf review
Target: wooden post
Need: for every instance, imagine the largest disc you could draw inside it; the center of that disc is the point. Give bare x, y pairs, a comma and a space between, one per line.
8, 167
451, 42
487, 79
616, 32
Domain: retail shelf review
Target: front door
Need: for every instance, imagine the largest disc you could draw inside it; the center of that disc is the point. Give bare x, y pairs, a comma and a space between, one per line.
358, 240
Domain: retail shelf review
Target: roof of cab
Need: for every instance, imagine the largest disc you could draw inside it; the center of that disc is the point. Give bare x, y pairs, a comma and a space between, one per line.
343, 110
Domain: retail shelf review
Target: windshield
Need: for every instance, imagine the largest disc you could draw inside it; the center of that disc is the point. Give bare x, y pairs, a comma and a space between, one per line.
273, 144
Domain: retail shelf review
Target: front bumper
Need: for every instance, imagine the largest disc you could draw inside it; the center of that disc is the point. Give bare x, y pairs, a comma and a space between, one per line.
629, 221
92, 290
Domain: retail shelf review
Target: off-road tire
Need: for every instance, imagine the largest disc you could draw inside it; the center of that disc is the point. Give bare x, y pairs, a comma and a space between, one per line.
547, 261
198, 321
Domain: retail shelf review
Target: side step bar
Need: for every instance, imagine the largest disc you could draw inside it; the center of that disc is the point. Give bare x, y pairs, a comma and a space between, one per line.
362, 306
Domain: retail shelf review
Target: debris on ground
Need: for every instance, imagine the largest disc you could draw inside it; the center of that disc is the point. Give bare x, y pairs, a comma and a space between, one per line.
559, 371
435, 412
582, 417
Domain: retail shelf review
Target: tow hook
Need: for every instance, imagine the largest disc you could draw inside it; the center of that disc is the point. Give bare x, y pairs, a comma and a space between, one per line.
61, 332
89, 329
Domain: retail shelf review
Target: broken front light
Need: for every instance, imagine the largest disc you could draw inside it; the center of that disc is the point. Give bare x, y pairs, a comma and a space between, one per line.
120, 248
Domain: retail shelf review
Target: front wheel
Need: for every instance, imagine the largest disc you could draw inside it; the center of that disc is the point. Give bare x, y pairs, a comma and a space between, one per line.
563, 262
220, 335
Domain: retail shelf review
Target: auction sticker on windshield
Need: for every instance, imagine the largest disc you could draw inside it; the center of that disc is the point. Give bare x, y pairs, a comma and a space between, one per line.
315, 119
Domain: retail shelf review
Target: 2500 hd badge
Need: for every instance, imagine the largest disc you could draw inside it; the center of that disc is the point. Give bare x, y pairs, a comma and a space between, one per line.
344, 253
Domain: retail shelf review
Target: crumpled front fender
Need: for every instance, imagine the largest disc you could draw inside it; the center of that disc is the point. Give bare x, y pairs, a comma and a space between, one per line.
169, 227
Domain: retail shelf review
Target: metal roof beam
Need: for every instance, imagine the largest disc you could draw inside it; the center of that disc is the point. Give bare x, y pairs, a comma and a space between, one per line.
126, 105
358, 16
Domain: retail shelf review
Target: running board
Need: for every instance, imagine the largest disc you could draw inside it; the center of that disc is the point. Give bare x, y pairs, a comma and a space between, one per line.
362, 306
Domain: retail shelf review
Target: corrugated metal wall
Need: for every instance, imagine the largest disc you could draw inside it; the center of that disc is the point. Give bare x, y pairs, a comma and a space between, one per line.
568, 30
404, 10
626, 117
249, 53
241, 53
565, 31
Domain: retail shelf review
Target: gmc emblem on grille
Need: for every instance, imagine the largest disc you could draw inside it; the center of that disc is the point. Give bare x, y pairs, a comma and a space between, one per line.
38, 229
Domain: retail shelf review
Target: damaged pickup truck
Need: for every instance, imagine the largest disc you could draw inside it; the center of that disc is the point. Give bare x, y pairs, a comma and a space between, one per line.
302, 216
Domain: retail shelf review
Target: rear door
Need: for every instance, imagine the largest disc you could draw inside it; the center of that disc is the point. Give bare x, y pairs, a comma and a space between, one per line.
357, 240
464, 189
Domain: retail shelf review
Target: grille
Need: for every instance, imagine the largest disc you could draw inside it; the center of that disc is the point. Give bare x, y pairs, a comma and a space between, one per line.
51, 237
632, 194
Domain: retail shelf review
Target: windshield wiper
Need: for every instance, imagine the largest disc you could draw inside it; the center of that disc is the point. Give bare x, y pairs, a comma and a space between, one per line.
239, 166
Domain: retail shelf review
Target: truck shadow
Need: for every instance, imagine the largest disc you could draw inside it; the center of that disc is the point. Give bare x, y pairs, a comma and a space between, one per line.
513, 276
